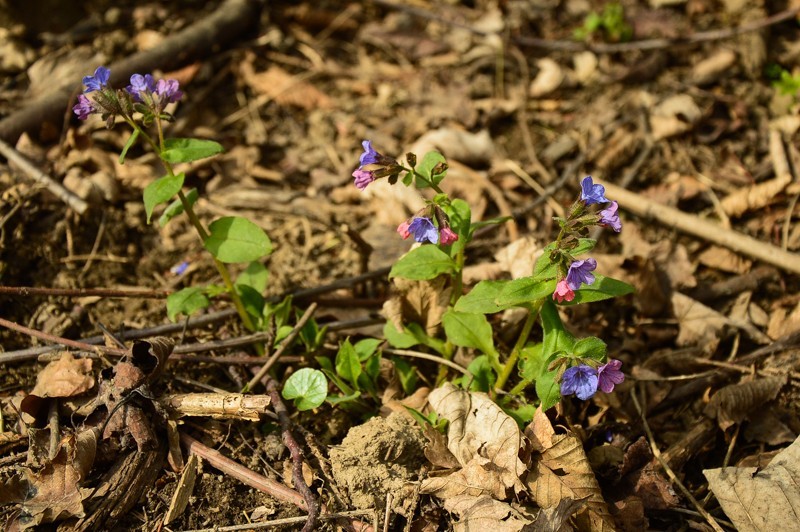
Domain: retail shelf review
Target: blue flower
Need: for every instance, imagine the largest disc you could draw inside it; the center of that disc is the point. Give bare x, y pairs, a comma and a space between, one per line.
591, 193
580, 272
168, 90
610, 218
98, 81
370, 156
423, 229
140, 84
580, 380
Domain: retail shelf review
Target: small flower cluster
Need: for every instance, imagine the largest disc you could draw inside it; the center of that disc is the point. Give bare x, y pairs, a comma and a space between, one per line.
144, 95
579, 271
431, 224
422, 228
373, 165
584, 380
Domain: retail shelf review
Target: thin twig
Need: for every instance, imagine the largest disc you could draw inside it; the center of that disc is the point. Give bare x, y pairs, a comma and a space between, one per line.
285, 521
426, 356
297, 455
284, 345
84, 292
28, 168
668, 470
63, 341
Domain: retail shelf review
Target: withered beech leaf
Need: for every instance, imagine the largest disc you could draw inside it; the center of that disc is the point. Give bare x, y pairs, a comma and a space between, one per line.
65, 377
563, 472
480, 433
485, 513
151, 355
422, 302
732, 404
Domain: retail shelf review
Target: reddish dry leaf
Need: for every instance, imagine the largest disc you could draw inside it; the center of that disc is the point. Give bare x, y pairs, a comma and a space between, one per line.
65, 377
283, 87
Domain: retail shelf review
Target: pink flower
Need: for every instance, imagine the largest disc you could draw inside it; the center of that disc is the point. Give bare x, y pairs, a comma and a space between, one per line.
563, 292
402, 229
609, 375
363, 178
447, 236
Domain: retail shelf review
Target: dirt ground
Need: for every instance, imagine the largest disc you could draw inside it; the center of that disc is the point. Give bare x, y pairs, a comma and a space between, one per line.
692, 114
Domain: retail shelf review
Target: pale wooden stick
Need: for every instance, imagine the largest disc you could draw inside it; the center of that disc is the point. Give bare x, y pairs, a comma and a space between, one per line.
696, 226
28, 168
217, 405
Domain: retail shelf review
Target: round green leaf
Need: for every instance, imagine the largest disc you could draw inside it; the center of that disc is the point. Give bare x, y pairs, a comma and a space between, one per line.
235, 239
307, 387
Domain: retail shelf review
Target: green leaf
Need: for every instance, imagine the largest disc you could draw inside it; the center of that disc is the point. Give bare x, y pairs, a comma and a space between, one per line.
348, 366
188, 150
255, 276
556, 339
602, 288
429, 161
131, 141
547, 388
460, 215
423, 263
366, 348
470, 330
235, 239
398, 339
161, 191
519, 292
186, 301
534, 368
308, 388
406, 373
484, 375
252, 300
176, 207
590, 347
482, 299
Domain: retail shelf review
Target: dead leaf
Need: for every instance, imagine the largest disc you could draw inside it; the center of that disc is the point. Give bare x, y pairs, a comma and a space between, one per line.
725, 260
281, 86
422, 302
484, 439
760, 500
782, 322
699, 325
733, 403
714, 67
485, 513
675, 115
548, 79
65, 377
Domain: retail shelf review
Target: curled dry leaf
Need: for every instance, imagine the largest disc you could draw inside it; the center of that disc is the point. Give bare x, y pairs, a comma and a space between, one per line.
485, 513
675, 115
548, 79
485, 441
732, 404
422, 302
760, 500
65, 377
562, 472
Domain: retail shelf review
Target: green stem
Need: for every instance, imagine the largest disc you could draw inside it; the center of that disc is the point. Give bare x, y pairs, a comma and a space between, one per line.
511, 363
458, 277
421, 177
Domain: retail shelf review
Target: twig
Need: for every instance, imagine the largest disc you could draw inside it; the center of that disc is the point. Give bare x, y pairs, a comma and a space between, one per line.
297, 455
426, 356
28, 168
284, 345
239, 472
693, 225
84, 292
63, 341
227, 23
288, 521
668, 470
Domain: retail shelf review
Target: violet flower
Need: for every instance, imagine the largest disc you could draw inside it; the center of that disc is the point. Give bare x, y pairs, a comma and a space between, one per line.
580, 272
423, 229
609, 375
591, 193
610, 218
83, 108
581, 380
168, 90
370, 156
363, 178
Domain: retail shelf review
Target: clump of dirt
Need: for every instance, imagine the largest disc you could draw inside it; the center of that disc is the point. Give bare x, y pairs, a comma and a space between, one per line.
381, 456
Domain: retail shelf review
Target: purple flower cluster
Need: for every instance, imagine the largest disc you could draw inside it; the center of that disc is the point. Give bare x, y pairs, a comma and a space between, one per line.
143, 89
579, 271
584, 380
381, 166
423, 230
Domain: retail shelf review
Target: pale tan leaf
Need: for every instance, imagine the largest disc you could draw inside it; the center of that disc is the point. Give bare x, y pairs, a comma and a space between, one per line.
480, 433
699, 325
725, 260
782, 322
713, 67
286, 89
732, 404
548, 79
65, 377
675, 115
422, 302
476, 478
485, 513
760, 500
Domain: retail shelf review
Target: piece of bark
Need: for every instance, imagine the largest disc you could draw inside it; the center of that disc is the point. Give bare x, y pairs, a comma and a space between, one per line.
226, 24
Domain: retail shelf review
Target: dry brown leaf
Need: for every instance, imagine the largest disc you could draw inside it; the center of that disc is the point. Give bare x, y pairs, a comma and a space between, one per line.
782, 322
476, 478
575, 478
480, 435
733, 403
698, 324
760, 500
422, 302
725, 260
713, 67
548, 79
283, 87
65, 377
675, 115
485, 513
768, 428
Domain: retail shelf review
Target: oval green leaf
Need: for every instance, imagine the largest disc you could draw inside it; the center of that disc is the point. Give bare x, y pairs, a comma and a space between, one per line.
188, 150
176, 207
423, 263
235, 239
161, 191
186, 301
